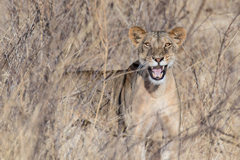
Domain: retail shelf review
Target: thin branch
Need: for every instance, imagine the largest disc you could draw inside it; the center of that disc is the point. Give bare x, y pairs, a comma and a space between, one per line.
195, 19
105, 43
221, 50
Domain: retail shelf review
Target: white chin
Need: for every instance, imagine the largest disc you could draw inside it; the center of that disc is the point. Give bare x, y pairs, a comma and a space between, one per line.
156, 82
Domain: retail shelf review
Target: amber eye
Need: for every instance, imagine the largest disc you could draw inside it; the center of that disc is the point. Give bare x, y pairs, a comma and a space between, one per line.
168, 44
147, 44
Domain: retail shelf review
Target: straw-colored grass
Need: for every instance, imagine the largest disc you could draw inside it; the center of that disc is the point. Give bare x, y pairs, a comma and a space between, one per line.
45, 105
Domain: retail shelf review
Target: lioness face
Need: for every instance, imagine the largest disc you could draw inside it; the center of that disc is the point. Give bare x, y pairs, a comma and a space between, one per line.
156, 50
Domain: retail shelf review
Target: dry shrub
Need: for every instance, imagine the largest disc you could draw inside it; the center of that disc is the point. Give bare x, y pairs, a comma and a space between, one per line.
44, 45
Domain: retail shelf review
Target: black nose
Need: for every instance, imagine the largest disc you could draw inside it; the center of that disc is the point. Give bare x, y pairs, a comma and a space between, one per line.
158, 59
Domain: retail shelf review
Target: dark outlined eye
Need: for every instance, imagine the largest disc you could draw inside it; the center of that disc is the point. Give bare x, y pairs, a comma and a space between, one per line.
147, 44
168, 44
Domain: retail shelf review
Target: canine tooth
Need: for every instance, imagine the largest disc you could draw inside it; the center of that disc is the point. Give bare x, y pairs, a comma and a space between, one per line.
161, 74
153, 74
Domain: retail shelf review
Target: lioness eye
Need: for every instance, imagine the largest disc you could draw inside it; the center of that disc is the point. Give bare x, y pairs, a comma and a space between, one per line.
168, 44
147, 44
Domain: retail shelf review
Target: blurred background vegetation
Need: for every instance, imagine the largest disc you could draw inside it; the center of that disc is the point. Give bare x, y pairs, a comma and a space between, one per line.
41, 41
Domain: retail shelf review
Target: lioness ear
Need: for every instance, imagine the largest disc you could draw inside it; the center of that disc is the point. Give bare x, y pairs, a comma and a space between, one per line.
136, 35
178, 35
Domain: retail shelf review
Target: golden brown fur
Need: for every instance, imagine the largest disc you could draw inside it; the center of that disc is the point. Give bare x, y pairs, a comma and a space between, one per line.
152, 110
144, 97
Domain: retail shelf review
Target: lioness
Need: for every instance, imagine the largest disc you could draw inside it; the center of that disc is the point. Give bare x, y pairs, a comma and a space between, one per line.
148, 97
144, 96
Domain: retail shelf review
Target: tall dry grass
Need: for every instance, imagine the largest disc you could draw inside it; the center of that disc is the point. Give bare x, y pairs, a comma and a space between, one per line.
45, 43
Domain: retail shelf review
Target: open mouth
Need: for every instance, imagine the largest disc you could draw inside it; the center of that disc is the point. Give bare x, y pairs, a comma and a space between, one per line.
157, 72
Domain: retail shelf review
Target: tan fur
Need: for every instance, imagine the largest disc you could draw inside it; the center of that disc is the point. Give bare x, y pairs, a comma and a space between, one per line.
153, 111
147, 108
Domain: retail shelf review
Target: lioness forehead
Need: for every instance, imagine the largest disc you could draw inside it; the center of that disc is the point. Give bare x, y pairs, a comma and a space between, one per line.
157, 37
157, 34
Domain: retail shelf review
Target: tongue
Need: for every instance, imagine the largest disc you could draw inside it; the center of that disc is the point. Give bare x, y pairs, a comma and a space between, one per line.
157, 72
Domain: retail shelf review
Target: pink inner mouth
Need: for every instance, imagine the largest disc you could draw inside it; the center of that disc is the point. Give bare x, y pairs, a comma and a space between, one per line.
157, 72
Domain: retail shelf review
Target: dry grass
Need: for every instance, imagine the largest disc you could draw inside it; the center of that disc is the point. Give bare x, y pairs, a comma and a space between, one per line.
43, 41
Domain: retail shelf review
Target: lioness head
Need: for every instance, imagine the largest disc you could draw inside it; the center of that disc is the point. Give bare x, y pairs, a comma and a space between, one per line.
156, 50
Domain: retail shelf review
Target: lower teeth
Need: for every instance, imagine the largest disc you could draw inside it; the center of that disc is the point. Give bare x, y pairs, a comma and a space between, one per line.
157, 76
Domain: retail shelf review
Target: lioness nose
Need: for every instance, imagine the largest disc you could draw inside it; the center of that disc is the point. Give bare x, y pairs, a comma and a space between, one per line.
158, 59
